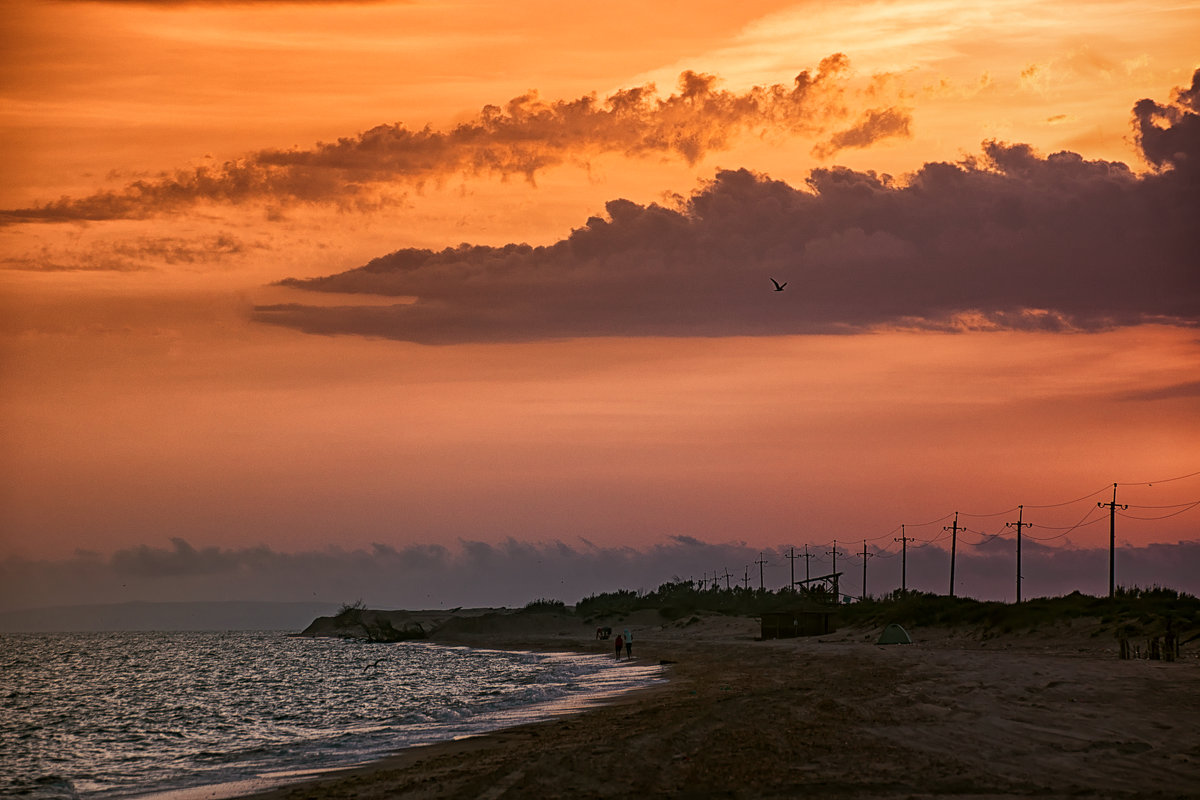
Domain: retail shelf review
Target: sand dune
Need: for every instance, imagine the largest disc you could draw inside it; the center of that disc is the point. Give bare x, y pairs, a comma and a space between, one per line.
1056, 714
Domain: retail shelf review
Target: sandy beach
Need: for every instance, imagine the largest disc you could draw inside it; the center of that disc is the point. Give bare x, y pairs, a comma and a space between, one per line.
1048, 714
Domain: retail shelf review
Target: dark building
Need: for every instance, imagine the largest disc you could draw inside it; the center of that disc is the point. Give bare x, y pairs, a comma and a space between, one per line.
786, 624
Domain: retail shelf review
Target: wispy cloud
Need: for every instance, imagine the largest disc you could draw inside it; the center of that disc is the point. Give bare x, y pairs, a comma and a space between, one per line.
521, 138
1176, 391
1009, 239
874, 125
130, 255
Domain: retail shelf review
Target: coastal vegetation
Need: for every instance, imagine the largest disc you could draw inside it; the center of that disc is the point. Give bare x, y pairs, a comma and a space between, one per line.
544, 605
356, 621
1132, 612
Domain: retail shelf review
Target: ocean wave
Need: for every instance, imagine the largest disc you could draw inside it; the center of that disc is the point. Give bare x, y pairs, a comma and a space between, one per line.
119, 715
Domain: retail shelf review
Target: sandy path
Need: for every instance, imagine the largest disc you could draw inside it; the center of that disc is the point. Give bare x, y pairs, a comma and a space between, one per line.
842, 718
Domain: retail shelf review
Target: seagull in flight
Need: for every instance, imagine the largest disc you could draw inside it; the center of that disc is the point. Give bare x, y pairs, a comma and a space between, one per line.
778, 286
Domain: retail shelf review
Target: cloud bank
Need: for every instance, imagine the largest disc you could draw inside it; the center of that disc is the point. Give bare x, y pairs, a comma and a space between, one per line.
523, 137
1009, 239
512, 572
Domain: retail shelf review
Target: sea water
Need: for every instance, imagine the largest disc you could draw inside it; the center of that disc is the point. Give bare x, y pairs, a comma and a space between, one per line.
113, 715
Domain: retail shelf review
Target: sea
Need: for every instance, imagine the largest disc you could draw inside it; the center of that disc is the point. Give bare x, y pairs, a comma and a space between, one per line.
133, 714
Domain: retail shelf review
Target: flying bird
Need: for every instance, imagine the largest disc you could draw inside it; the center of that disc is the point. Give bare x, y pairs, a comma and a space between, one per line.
778, 286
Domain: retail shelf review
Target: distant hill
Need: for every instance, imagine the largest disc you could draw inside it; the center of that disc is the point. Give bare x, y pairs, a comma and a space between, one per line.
206, 616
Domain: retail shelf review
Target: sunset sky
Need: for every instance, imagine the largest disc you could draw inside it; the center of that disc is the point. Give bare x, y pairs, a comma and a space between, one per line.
484, 289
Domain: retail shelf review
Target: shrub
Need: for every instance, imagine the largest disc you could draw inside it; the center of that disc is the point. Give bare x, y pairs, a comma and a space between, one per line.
544, 605
351, 613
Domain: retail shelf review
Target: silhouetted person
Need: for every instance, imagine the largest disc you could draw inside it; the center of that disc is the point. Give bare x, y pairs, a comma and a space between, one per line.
620, 644
628, 644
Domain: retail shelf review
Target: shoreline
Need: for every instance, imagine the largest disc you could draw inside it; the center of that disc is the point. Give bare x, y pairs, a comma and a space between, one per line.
317, 782
1054, 714
269, 783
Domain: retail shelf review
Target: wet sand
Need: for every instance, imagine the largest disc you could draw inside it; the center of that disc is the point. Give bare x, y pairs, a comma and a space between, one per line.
1050, 715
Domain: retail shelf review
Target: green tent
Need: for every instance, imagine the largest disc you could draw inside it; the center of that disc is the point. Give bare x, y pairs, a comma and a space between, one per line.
894, 634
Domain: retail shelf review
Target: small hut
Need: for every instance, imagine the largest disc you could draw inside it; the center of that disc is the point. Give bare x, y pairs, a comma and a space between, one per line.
787, 624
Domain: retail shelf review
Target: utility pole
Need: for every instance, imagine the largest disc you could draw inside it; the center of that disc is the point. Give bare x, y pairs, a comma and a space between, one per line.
791, 556
865, 556
1112, 541
1018, 525
807, 557
760, 562
834, 553
953, 546
727, 578
904, 540
746, 579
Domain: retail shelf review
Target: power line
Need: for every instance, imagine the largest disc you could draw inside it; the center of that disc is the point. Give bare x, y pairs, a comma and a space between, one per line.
1076, 500
997, 514
942, 518
987, 537
1165, 516
1175, 505
1082, 523
1065, 531
927, 542
892, 532
1164, 480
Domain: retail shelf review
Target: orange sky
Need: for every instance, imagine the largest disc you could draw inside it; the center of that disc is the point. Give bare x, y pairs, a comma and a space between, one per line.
163, 168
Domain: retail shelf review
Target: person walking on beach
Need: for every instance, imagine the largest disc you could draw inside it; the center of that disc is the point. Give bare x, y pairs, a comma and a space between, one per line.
628, 644
620, 643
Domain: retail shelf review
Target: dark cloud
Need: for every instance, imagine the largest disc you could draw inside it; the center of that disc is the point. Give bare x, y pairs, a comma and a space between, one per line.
514, 572
183, 560
129, 255
1008, 239
874, 125
1169, 135
523, 137
1184, 390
